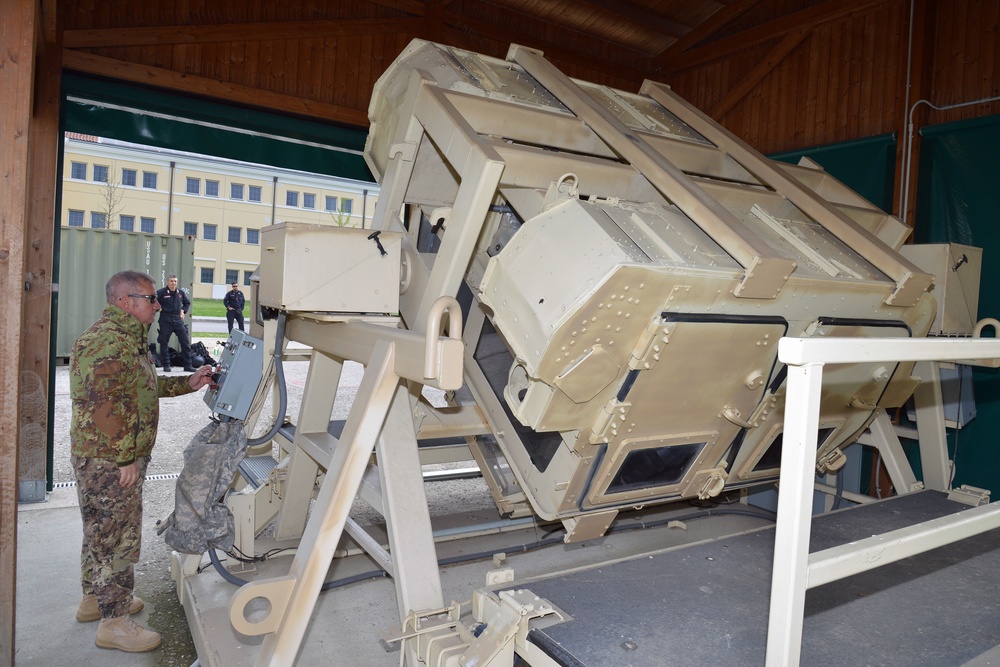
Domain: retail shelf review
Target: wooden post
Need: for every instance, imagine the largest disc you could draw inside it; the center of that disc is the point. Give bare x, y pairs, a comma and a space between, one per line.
18, 34
44, 138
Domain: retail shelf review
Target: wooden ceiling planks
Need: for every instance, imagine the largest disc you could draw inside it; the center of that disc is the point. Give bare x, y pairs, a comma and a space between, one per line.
811, 71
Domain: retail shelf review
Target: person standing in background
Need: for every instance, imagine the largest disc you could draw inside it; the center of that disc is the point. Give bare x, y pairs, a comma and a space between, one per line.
115, 393
234, 302
174, 305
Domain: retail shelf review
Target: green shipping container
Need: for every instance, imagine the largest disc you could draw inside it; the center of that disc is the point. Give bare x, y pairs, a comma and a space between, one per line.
88, 257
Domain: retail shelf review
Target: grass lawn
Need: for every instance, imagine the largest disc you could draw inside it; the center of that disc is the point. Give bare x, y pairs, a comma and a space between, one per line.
208, 308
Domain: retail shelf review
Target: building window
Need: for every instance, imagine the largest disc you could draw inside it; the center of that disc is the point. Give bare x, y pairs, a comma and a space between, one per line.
235, 234
254, 193
98, 220
308, 200
210, 232
100, 173
246, 278
128, 177
193, 186
331, 204
75, 219
191, 229
291, 198
149, 180
211, 188
207, 274
147, 225
232, 276
346, 205
78, 170
126, 223
253, 237
236, 191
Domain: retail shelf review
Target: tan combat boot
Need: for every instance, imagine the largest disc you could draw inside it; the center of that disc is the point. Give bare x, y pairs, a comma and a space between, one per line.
124, 634
88, 610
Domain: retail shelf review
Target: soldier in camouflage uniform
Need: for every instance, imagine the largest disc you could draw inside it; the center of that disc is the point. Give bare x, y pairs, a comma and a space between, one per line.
115, 392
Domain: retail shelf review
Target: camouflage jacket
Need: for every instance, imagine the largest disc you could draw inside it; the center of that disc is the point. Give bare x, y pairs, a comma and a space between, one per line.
115, 390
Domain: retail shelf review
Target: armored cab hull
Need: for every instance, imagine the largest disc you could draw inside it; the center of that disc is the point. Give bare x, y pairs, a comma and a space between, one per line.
627, 267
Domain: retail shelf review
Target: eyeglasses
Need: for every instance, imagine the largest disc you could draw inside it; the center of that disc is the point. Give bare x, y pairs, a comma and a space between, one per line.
150, 297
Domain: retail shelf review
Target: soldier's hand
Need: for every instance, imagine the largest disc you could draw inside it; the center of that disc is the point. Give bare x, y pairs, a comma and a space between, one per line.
200, 377
128, 475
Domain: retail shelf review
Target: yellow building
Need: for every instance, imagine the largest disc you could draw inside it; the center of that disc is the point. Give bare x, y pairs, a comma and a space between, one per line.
222, 203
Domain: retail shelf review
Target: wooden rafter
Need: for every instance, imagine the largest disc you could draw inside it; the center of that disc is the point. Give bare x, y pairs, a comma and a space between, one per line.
757, 74
707, 27
831, 10
234, 32
205, 87
415, 7
645, 18
551, 49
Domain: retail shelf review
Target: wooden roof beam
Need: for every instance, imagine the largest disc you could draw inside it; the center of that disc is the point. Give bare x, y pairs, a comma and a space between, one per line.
551, 49
415, 7
642, 17
234, 32
757, 74
828, 11
222, 90
708, 27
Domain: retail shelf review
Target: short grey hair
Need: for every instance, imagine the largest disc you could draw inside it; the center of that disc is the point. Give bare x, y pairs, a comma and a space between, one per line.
125, 282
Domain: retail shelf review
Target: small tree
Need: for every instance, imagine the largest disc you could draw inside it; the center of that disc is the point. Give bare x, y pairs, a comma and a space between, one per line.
340, 218
112, 196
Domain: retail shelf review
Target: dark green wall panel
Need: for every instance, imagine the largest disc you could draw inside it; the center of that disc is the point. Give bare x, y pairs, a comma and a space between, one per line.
153, 118
957, 202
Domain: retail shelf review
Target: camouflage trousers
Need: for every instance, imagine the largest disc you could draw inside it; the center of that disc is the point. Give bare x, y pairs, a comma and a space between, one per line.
112, 532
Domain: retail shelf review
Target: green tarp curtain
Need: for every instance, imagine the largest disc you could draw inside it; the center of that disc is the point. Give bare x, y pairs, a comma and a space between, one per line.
153, 118
956, 202
867, 166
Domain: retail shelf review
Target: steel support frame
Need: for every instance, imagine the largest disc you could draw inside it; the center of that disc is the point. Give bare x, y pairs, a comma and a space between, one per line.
794, 571
380, 420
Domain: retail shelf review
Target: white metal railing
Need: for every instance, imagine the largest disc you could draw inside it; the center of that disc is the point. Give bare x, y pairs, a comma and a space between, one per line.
794, 570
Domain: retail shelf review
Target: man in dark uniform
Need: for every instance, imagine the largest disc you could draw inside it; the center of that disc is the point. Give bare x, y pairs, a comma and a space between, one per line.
234, 302
174, 305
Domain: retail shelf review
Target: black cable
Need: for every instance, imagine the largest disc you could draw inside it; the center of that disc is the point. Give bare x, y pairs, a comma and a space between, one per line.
839, 496
279, 374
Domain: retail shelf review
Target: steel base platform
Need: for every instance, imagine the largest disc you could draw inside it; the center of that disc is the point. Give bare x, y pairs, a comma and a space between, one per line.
707, 604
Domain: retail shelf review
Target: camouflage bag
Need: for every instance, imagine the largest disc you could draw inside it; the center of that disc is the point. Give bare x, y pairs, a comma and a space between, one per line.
201, 520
